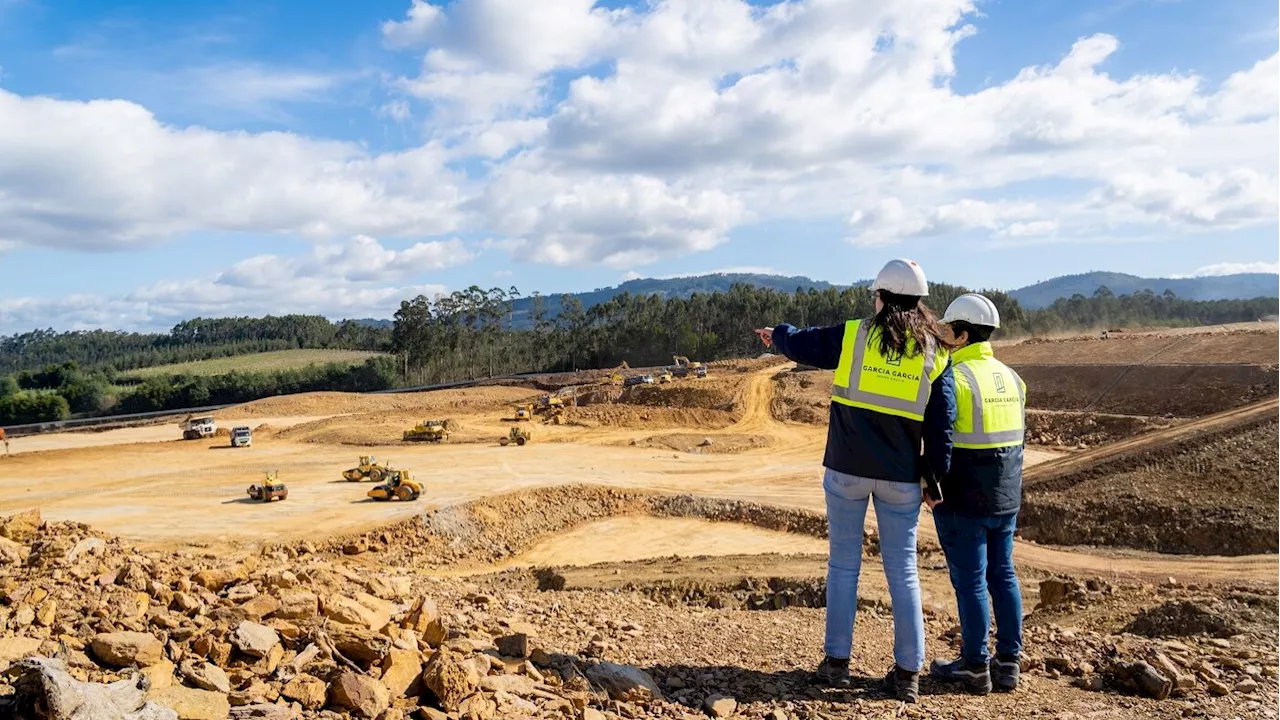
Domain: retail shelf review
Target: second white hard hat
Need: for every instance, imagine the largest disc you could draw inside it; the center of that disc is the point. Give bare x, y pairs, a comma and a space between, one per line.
902, 277
974, 309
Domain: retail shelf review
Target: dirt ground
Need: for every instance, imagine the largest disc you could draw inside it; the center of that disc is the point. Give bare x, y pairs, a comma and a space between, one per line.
1150, 492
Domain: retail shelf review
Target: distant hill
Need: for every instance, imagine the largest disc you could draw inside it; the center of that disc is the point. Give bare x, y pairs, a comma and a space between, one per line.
668, 287
1042, 294
1222, 287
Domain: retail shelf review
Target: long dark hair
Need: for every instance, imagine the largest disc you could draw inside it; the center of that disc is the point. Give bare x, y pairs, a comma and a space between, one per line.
905, 325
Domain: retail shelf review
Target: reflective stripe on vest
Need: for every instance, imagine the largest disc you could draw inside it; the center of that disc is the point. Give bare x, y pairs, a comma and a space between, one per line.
999, 428
867, 379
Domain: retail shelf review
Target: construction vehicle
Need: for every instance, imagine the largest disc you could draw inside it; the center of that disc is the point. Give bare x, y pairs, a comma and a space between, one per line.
664, 376
194, 428
428, 431
518, 435
556, 415
270, 489
685, 367
523, 412
400, 485
368, 469
241, 436
615, 376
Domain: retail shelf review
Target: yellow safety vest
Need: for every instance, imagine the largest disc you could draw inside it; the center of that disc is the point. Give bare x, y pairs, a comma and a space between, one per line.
869, 380
990, 400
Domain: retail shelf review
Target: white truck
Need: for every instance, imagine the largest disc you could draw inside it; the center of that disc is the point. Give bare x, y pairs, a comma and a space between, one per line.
241, 436
195, 428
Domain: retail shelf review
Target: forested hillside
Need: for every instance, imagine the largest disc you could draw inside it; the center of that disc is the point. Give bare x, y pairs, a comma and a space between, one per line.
474, 333
1224, 287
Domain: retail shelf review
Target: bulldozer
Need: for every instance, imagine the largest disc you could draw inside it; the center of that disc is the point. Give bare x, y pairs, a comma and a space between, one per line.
427, 431
518, 435
368, 469
400, 485
270, 489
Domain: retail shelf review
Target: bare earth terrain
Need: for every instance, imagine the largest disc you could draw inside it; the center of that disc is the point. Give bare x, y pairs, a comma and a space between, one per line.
674, 528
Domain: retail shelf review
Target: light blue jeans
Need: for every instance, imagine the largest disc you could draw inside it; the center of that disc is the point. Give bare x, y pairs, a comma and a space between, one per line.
898, 515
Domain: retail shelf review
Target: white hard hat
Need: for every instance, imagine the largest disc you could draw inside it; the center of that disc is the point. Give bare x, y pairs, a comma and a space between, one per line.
902, 277
974, 309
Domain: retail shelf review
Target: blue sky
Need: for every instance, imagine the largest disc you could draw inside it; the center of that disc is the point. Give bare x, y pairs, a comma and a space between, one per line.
166, 159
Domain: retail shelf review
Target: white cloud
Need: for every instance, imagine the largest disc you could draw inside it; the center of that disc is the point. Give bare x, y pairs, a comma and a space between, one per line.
358, 278
679, 121
618, 221
107, 174
890, 221
1233, 268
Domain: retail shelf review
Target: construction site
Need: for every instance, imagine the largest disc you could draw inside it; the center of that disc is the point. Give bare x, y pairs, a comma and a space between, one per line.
641, 543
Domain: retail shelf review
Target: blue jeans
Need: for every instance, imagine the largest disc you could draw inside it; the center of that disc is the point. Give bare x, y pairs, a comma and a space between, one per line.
898, 515
979, 554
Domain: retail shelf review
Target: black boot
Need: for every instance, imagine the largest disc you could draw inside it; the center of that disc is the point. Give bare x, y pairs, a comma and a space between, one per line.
1005, 670
903, 685
833, 672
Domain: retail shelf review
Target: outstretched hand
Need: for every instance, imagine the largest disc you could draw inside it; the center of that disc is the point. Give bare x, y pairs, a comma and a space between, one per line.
766, 336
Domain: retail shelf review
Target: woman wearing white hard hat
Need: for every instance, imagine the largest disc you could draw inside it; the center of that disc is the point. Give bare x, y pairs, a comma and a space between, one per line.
892, 389
981, 496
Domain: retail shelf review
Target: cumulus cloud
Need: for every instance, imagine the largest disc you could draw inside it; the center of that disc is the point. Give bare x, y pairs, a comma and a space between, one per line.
357, 278
574, 134
107, 175
618, 221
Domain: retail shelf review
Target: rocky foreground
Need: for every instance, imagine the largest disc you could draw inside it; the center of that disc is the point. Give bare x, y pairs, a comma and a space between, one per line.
94, 629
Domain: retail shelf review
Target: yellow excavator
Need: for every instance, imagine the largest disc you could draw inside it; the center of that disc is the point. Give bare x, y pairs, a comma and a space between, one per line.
663, 376
615, 376
368, 469
684, 367
400, 485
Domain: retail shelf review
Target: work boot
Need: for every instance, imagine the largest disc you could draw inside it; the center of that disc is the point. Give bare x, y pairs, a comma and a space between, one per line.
903, 685
975, 678
1004, 672
833, 672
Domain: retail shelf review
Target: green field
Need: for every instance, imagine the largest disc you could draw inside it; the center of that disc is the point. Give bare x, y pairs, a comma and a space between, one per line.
256, 362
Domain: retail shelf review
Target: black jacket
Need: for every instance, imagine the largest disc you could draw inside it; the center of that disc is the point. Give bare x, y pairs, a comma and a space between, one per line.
871, 444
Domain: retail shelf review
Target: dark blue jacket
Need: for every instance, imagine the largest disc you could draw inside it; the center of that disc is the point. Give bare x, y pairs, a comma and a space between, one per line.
871, 444
984, 482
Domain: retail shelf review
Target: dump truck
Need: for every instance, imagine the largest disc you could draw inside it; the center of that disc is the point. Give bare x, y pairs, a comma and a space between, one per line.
428, 431
368, 469
518, 435
400, 485
194, 428
270, 489
241, 436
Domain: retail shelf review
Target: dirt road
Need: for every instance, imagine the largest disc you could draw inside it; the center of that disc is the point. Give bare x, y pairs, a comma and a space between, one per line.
193, 492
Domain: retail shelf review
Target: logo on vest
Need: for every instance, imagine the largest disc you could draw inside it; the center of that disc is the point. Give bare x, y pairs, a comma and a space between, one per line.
999, 381
895, 362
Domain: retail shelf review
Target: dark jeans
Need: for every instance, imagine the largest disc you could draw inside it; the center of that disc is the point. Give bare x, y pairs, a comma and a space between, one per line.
979, 554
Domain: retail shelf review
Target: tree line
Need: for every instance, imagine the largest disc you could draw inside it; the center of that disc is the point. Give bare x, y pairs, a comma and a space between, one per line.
473, 333
188, 341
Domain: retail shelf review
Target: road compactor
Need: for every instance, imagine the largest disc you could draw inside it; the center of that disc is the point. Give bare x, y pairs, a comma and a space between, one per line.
368, 469
270, 489
400, 485
518, 435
